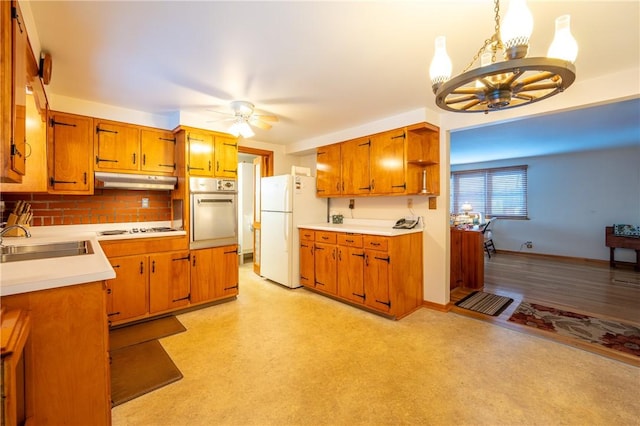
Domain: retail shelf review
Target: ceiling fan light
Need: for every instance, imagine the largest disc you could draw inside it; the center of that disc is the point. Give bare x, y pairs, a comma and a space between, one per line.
564, 45
440, 68
241, 128
516, 29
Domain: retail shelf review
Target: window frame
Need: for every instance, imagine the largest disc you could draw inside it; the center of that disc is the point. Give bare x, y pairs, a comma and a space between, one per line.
487, 200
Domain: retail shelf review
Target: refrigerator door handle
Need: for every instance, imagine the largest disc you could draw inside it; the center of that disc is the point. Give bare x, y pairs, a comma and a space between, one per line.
286, 232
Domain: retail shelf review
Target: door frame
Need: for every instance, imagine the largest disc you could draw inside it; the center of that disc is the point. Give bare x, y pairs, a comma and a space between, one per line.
266, 167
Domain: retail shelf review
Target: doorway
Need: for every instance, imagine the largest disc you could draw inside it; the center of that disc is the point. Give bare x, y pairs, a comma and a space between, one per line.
253, 164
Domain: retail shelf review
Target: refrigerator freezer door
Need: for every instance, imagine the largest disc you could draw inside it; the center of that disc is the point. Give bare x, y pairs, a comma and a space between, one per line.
276, 193
276, 247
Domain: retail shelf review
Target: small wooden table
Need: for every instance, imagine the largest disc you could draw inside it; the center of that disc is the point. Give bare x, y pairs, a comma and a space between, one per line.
616, 241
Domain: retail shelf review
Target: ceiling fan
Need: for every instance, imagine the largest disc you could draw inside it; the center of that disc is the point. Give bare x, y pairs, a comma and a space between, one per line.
244, 116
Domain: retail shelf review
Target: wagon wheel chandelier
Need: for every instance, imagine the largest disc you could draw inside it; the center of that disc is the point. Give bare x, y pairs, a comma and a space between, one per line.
514, 81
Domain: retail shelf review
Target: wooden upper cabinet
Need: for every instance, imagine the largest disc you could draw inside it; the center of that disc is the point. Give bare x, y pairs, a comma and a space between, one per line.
200, 147
158, 149
387, 162
403, 161
423, 159
117, 146
13, 80
356, 176
328, 170
35, 179
226, 157
19, 52
69, 148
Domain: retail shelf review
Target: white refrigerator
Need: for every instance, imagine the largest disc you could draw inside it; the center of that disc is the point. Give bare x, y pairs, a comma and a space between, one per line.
286, 202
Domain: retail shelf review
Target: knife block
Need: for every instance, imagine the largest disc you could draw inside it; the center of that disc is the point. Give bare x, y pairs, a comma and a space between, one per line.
15, 232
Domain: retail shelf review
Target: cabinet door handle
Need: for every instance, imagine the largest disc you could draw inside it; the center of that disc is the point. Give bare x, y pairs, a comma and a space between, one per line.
53, 181
98, 130
385, 303
144, 159
194, 260
217, 166
104, 160
141, 268
153, 267
134, 158
53, 122
209, 165
84, 178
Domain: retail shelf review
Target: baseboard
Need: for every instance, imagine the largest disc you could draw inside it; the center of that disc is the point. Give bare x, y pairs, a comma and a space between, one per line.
583, 260
436, 306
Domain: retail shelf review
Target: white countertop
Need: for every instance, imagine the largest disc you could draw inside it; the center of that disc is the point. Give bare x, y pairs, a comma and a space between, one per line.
382, 227
42, 274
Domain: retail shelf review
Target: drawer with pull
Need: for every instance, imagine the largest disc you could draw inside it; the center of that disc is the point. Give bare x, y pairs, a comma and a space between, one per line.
350, 240
376, 242
325, 237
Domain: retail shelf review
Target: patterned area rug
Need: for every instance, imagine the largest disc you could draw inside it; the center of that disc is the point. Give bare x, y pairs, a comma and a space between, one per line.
485, 303
610, 334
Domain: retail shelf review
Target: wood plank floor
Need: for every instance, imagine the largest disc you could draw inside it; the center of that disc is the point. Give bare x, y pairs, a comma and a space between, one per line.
587, 287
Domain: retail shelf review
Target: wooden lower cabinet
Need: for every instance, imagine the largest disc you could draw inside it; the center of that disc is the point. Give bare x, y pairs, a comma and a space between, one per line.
66, 356
128, 292
169, 282
380, 273
326, 267
307, 267
156, 276
467, 259
214, 273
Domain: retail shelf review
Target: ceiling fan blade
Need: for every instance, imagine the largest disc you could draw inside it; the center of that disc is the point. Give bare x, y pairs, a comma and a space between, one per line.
221, 112
271, 118
260, 124
221, 120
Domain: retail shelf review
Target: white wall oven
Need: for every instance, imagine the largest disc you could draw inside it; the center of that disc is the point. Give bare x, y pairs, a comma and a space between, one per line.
214, 214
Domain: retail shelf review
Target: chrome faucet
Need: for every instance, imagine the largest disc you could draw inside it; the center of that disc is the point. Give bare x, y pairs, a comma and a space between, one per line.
9, 227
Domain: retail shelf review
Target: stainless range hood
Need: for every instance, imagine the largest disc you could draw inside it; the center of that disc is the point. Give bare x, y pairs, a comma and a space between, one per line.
132, 181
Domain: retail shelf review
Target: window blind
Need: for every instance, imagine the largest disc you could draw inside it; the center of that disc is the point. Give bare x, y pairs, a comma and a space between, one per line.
497, 192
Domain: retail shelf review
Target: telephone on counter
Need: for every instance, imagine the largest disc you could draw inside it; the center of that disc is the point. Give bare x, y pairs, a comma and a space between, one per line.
404, 223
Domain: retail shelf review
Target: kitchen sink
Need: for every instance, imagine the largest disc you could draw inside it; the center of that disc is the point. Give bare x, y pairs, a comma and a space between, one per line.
44, 251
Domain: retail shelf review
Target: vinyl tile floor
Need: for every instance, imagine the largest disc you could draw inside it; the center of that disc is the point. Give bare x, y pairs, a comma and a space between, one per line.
277, 356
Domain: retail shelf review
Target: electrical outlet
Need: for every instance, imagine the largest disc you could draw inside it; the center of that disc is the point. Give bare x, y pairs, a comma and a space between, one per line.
352, 204
409, 203
145, 203
529, 244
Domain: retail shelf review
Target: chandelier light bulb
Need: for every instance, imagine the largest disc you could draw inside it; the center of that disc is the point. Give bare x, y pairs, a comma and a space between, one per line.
440, 68
485, 60
516, 29
564, 45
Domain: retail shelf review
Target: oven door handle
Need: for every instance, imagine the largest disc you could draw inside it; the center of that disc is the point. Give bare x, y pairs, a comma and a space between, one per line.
211, 200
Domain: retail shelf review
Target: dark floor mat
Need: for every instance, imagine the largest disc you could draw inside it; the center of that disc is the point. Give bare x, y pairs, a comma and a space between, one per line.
140, 368
145, 331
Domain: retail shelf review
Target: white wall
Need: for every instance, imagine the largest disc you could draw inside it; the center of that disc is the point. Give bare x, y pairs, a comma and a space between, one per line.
571, 198
245, 207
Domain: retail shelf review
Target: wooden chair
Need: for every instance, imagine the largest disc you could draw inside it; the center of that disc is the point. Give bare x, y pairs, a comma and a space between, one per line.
488, 237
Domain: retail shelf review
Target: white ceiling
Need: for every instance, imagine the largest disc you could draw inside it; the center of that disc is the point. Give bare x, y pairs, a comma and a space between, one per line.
320, 66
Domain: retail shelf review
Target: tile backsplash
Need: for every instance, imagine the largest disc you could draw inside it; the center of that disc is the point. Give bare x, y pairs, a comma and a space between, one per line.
105, 206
